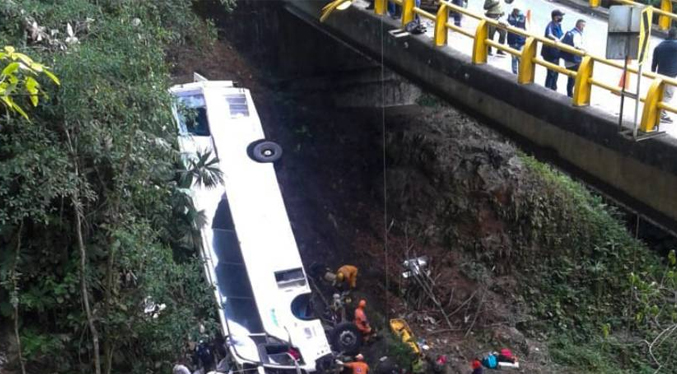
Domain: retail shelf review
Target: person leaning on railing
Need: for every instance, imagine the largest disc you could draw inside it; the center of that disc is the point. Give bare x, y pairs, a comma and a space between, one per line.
664, 62
494, 9
553, 31
573, 38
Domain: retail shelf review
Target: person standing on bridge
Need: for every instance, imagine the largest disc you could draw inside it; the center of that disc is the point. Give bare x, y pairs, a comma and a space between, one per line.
456, 15
573, 38
553, 31
664, 62
494, 10
518, 20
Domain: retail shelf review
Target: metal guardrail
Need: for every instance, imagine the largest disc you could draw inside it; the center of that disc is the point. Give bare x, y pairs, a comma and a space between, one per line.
584, 79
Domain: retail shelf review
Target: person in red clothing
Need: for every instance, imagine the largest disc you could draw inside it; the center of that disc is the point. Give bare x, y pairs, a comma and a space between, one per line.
477, 367
356, 367
361, 320
506, 356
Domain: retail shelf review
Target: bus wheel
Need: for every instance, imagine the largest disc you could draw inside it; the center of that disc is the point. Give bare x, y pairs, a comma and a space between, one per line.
265, 151
346, 338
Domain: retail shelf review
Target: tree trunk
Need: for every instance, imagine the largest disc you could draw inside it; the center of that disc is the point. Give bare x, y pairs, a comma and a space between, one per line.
77, 206
15, 297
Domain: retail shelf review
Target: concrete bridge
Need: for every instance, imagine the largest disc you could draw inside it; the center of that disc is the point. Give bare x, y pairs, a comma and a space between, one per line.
580, 137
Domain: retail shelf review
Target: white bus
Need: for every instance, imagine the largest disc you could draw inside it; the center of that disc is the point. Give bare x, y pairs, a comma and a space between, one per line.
250, 253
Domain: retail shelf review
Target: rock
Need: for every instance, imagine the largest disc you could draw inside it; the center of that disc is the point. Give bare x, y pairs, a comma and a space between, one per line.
511, 338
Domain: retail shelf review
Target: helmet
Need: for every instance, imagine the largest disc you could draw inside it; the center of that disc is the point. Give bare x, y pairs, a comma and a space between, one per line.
340, 277
362, 304
359, 357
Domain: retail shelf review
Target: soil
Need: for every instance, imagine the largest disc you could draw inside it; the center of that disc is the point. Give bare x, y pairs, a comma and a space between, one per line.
443, 172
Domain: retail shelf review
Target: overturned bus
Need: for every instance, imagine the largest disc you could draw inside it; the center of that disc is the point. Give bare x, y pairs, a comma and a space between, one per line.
248, 247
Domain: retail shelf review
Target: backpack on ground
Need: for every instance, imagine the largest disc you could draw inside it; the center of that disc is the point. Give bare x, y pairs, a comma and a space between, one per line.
415, 27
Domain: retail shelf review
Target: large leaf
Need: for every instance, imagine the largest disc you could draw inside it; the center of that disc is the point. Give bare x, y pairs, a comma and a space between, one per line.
32, 86
11, 68
52, 76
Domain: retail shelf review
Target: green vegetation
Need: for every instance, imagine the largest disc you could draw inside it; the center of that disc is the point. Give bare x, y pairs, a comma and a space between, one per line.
95, 220
18, 78
607, 299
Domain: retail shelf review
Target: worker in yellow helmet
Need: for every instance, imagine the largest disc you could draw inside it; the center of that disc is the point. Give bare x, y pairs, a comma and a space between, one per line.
346, 275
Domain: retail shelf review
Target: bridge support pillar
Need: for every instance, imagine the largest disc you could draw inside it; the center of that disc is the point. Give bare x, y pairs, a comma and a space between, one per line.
527, 67
380, 7
652, 113
582, 86
407, 11
479, 51
441, 26
664, 22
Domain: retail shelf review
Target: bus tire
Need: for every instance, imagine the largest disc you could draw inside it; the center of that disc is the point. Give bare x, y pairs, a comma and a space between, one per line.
346, 338
264, 151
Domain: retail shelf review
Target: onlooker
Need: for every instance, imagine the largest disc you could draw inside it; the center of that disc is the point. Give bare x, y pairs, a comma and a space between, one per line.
664, 62
455, 15
553, 31
573, 38
394, 10
494, 10
516, 19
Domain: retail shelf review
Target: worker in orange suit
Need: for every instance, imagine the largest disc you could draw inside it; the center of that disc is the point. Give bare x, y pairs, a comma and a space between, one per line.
361, 320
356, 367
347, 274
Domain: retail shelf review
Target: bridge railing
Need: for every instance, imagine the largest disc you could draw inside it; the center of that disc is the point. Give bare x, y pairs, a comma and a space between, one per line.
529, 59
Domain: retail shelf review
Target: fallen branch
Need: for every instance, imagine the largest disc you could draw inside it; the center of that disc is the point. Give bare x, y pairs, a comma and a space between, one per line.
479, 310
462, 304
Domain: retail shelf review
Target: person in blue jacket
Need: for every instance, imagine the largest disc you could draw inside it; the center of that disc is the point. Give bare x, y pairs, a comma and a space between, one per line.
518, 20
664, 62
553, 31
573, 38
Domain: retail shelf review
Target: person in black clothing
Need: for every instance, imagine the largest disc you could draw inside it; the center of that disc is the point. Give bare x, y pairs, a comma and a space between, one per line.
664, 62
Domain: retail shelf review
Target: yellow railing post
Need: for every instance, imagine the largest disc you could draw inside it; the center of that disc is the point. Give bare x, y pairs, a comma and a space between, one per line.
479, 50
407, 11
651, 115
527, 67
664, 22
380, 6
441, 26
594, 3
582, 86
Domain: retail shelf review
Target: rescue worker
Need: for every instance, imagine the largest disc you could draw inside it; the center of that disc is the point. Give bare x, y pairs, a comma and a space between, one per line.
477, 367
361, 320
356, 367
347, 274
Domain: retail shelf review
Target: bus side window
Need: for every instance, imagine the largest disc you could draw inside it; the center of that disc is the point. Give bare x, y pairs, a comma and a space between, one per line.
193, 115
